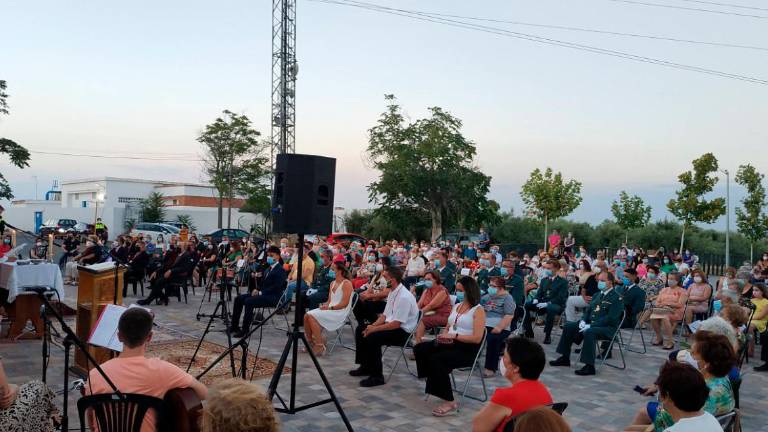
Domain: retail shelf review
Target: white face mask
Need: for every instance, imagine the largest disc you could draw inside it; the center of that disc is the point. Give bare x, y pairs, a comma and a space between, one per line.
697, 279
502, 367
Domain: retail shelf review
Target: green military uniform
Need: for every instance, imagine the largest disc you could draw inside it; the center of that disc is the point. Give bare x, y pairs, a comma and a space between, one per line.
515, 287
634, 302
484, 277
322, 285
603, 316
554, 292
448, 276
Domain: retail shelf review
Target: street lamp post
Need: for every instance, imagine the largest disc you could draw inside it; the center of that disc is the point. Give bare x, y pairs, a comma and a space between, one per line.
727, 218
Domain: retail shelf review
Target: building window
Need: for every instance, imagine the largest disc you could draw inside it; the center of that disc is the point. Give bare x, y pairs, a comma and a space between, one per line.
128, 199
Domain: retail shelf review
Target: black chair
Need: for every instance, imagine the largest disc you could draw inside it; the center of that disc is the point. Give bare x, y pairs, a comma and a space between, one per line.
116, 414
177, 287
558, 407
135, 278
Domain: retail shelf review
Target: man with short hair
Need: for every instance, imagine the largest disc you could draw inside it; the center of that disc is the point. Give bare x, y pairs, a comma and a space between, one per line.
70, 248
391, 328
600, 321
267, 295
321, 286
180, 270
133, 372
550, 299
447, 271
307, 274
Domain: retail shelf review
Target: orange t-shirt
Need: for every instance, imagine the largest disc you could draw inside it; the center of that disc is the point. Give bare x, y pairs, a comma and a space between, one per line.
147, 376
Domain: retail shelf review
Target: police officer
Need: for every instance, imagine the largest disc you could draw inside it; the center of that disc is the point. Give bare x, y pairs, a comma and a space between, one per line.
634, 298
100, 228
600, 321
550, 299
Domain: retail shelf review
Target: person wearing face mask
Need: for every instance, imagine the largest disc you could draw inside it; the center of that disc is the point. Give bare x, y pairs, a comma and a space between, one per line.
391, 328
587, 288
414, 269
323, 279
6, 246
634, 299
488, 270
40, 251
600, 321
434, 303
372, 295
699, 293
667, 309
446, 269
332, 314
469, 252
522, 364
455, 347
178, 272
550, 299
499, 308
712, 354
652, 283
668, 266
91, 255
267, 295
307, 276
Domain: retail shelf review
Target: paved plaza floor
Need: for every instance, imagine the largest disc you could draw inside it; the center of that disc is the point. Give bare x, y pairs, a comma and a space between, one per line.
605, 402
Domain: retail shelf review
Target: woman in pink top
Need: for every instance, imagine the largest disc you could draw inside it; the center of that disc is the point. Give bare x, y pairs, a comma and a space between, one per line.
554, 240
667, 309
522, 363
699, 293
435, 305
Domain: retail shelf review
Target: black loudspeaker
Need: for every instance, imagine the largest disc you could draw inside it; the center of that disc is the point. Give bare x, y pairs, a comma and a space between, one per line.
302, 198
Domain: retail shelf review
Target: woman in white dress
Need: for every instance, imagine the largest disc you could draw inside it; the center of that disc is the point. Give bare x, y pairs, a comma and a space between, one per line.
331, 314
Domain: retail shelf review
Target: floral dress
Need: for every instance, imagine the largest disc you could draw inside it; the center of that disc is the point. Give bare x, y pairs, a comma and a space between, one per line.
33, 410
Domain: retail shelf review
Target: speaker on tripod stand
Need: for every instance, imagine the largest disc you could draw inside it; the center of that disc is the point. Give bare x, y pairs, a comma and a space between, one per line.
302, 203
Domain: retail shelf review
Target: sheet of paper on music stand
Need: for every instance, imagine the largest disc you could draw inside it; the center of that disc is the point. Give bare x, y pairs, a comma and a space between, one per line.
105, 332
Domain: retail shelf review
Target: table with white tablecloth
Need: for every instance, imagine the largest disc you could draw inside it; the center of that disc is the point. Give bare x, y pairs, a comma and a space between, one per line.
15, 278
25, 306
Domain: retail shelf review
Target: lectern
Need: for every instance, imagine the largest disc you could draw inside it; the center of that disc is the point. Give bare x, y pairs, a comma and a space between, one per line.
96, 289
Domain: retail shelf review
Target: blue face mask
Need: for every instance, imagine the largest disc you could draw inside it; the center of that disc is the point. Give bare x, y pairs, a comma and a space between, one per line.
331, 274
548, 273
428, 284
493, 291
626, 281
437, 263
504, 271
485, 262
459, 296
270, 260
651, 276
602, 285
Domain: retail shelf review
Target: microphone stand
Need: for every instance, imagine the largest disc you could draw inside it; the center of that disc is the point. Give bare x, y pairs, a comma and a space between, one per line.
69, 339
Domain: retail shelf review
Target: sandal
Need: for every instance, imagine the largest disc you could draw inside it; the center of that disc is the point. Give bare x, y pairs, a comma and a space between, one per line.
657, 343
319, 350
668, 347
445, 410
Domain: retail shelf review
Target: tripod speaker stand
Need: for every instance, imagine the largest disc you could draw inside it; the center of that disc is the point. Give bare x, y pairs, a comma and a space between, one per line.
295, 335
222, 307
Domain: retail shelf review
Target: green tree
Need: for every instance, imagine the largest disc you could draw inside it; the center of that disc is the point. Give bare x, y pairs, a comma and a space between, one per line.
689, 206
153, 208
18, 155
252, 181
752, 221
548, 196
630, 212
233, 158
186, 220
427, 166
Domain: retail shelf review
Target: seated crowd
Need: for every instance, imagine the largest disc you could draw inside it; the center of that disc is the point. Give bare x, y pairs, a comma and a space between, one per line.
450, 301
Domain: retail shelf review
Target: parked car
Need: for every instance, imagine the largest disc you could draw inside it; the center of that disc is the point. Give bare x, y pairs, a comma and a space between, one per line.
173, 223
81, 229
57, 227
345, 239
463, 238
232, 233
155, 229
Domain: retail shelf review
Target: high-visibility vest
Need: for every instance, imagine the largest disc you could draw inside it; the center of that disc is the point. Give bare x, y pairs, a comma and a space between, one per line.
99, 226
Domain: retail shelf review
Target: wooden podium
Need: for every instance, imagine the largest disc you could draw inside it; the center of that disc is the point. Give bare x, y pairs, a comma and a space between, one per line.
96, 290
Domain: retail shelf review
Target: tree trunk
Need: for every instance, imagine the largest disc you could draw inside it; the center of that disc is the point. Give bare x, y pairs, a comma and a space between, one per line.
220, 210
626, 238
229, 212
751, 251
437, 223
546, 223
682, 240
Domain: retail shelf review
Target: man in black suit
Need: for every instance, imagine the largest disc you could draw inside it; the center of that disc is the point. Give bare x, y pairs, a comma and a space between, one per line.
272, 287
178, 272
550, 299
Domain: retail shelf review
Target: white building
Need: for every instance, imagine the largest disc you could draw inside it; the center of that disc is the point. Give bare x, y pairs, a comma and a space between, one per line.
116, 200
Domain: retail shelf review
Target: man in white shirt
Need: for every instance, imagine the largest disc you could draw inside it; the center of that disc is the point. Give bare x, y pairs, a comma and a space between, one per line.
415, 268
391, 328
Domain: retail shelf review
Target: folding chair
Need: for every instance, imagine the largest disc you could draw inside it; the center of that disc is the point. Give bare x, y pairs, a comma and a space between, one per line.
347, 322
518, 331
729, 421
475, 366
602, 356
637, 328
267, 310
401, 354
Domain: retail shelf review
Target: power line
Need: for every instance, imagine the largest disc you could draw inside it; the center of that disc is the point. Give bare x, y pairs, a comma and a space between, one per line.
726, 5
689, 8
539, 39
589, 30
101, 156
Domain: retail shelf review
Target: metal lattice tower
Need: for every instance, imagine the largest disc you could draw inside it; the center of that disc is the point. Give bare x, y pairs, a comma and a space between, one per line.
284, 70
